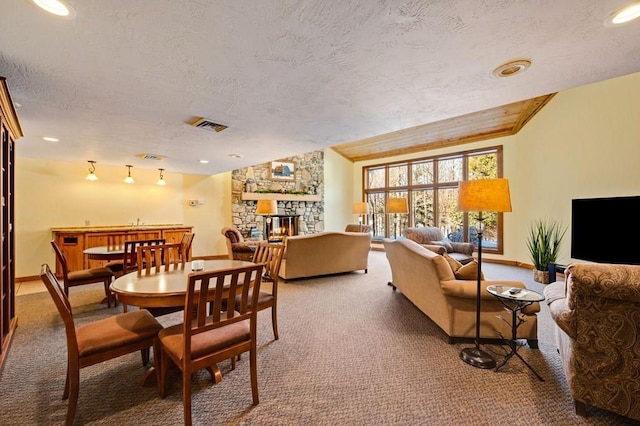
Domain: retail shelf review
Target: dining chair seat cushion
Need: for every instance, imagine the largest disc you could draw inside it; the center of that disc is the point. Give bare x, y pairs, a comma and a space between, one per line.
263, 297
204, 343
90, 274
116, 331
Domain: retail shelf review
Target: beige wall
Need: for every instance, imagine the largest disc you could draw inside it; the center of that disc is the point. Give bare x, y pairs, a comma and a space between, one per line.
584, 143
338, 176
53, 194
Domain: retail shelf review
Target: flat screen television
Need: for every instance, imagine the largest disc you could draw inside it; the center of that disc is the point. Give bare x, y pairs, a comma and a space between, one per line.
606, 230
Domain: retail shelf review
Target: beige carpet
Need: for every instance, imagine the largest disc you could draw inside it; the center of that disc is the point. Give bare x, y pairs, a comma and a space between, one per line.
351, 352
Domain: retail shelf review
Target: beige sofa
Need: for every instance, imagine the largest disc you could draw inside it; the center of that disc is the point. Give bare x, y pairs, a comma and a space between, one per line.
427, 280
597, 312
325, 253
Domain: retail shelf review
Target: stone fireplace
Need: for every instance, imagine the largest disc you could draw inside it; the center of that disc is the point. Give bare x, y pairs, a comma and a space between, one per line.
301, 197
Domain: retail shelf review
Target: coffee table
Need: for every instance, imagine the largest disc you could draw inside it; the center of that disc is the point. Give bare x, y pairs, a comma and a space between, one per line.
515, 300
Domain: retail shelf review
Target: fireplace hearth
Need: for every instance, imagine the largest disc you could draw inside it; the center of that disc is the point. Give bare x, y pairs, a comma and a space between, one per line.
277, 227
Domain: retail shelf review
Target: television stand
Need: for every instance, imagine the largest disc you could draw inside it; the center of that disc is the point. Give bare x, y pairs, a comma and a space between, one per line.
555, 268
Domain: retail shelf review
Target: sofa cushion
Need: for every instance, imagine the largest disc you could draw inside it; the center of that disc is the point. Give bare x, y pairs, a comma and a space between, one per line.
444, 243
455, 265
469, 272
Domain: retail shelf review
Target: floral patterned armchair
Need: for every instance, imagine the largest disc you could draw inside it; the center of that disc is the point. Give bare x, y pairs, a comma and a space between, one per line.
597, 313
238, 248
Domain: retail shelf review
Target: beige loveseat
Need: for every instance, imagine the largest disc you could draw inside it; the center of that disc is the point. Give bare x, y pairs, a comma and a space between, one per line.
325, 253
597, 313
431, 237
427, 280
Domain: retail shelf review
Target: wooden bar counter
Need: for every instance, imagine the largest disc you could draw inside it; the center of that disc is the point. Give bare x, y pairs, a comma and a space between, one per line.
74, 240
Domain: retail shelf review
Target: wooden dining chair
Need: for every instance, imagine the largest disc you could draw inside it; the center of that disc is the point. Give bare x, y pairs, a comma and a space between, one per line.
271, 255
187, 241
129, 261
100, 340
84, 276
207, 337
160, 258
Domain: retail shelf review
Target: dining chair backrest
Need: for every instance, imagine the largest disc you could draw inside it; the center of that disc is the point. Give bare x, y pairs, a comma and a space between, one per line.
271, 255
63, 305
62, 259
211, 293
187, 240
160, 258
130, 259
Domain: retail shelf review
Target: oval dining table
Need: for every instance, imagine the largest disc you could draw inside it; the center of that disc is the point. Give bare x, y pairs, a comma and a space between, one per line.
163, 290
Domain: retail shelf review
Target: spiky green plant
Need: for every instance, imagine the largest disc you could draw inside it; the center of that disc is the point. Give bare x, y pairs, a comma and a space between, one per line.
544, 241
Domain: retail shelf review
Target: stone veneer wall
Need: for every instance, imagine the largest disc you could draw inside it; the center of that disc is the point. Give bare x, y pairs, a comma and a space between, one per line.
309, 177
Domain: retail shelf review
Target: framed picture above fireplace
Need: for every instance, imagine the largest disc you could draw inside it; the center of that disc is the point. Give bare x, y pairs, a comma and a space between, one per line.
283, 170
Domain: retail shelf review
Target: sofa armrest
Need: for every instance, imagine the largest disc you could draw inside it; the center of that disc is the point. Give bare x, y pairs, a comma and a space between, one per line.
435, 248
467, 289
466, 248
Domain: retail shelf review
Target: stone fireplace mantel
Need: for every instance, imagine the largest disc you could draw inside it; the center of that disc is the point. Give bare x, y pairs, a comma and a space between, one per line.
279, 197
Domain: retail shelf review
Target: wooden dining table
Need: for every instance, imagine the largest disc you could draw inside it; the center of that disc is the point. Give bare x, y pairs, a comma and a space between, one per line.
104, 253
165, 289
158, 292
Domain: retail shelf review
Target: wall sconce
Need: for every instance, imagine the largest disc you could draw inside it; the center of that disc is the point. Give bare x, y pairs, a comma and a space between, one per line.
161, 181
129, 179
92, 169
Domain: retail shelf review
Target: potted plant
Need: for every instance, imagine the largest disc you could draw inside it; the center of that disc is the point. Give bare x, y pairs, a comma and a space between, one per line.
543, 242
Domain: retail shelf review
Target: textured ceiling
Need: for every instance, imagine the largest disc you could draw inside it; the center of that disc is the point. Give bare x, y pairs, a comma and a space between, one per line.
125, 77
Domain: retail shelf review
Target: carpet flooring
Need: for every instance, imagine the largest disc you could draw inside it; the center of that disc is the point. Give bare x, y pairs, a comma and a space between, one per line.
351, 352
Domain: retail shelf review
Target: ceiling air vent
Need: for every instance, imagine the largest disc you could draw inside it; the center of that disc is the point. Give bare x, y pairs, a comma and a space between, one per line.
152, 157
207, 124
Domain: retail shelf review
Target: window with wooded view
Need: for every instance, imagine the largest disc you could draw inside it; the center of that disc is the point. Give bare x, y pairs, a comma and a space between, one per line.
430, 186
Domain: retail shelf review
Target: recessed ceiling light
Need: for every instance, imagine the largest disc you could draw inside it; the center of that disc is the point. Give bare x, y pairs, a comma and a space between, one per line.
236, 155
623, 15
204, 161
50, 139
512, 68
56, 7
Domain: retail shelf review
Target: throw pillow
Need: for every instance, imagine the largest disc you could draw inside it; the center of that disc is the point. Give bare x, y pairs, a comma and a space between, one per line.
455, 265
468, 272
446, 244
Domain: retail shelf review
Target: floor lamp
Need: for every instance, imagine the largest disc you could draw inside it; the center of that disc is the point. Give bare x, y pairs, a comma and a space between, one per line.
362, 210
397, 206
488, 195
267, 208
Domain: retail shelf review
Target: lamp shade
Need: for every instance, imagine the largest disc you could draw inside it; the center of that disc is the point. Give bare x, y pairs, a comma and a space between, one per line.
484, 195
361, 208
267, 207
397, 205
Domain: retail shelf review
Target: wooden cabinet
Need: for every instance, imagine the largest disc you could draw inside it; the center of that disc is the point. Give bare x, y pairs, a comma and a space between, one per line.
10, 130
73, 241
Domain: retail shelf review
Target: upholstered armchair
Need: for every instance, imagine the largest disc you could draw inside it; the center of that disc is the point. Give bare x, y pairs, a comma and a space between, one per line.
597, 313
432, 238
237, 247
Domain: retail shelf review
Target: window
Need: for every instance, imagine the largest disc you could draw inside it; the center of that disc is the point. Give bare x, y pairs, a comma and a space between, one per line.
431, 187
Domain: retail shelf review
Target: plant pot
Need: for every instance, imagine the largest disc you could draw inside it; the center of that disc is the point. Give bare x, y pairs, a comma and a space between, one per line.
541, 276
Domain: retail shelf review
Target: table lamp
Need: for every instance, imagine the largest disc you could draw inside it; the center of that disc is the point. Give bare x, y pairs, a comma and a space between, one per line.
397, 206
477, 196
362, 210
267, 208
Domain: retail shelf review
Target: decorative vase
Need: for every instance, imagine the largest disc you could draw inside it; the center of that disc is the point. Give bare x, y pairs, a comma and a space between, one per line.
541, 276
